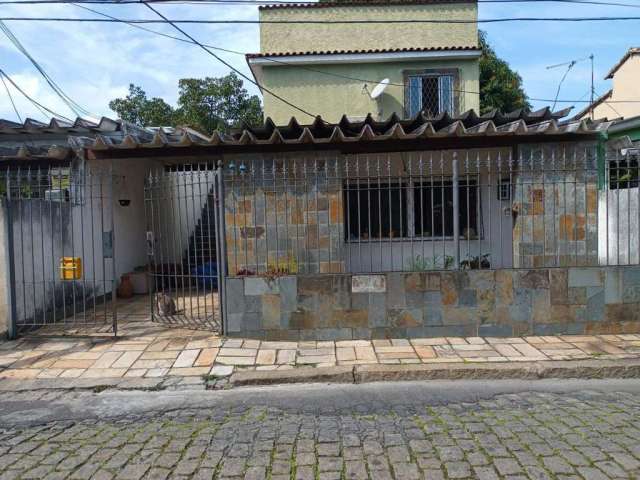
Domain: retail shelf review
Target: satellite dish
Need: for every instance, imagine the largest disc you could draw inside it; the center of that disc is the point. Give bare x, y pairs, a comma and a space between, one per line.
380, 88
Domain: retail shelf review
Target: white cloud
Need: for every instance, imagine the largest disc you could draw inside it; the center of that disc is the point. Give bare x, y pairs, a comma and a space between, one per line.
94, 63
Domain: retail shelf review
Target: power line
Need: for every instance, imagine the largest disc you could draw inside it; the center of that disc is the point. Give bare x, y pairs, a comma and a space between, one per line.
326, 22
303, 67
73, 106
264, 89
28, 97
15, 109
283, 2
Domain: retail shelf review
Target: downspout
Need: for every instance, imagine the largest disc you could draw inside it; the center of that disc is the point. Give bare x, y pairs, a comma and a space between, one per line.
601, 153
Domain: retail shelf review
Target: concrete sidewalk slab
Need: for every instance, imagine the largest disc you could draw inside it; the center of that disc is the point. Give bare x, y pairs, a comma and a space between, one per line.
149, 355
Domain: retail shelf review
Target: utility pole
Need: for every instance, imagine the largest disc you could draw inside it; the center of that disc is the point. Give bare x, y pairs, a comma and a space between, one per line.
593, 90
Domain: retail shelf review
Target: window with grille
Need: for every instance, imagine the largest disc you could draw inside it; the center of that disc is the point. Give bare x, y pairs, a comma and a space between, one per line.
431, 93
417, 209
375, 211
433, 203
623, 173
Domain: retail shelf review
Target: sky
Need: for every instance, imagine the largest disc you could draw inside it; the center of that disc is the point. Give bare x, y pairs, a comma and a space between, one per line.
94, 63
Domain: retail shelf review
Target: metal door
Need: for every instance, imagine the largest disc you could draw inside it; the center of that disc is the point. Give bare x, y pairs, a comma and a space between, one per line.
59, 232
182, 208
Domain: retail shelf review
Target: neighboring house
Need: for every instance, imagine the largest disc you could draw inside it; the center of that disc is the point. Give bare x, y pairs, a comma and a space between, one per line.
330, 69
613, 104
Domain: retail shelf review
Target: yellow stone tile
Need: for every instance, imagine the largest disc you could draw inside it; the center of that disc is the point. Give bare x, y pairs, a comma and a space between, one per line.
172, 355
50, 373
72, 373
126, 360
66, 364
104, 373
207, 357
106, 360
189, 371
20, 373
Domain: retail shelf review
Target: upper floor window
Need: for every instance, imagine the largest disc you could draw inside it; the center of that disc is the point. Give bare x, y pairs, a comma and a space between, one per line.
432, 93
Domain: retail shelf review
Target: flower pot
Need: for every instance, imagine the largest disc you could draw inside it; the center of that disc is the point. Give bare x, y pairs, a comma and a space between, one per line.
125, 289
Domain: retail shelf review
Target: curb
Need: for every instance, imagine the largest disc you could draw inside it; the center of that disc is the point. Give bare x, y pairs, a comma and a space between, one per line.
580, 369
337, 374
356, 374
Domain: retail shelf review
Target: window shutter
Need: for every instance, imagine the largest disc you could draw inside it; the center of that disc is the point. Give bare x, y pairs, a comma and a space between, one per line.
414, 105
445, 86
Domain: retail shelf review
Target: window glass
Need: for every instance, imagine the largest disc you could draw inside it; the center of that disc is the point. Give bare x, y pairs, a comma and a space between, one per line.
433, 202
375, 211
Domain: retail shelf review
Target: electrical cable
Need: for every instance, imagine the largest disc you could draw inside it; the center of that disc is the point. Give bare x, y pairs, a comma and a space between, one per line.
328, 22
301, 67
15, 109
227, 64
35, 102
73, 106
284, 2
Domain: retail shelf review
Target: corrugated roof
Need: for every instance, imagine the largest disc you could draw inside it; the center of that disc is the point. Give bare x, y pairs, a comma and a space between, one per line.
370, 50
57, 139
369, 131
359, 3
625, 57
56, 125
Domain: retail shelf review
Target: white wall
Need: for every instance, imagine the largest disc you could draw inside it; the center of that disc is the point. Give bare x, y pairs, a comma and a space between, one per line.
177, 208
4, 291
619, 226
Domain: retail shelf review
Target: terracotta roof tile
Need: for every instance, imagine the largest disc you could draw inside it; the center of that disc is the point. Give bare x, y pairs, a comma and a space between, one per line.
358, 3
370, 50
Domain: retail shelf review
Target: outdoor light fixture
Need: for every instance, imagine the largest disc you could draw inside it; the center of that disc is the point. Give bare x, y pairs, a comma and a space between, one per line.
124, 200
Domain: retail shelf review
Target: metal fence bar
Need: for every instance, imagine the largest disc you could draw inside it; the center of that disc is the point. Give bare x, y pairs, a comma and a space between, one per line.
539, 206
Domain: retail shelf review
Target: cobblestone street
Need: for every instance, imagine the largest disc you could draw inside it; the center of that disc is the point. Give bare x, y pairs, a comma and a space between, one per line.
582, 434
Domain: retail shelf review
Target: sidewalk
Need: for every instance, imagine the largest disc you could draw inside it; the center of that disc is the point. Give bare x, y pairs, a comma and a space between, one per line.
149, 355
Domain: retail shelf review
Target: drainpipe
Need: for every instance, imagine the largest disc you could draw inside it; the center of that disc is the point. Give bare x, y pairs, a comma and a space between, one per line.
456, 213
601, 153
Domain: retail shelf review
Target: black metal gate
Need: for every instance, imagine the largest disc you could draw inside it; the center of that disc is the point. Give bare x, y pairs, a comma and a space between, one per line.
59, 249
183, 217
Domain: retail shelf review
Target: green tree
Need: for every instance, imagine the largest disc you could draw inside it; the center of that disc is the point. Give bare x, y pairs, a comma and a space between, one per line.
136, 108
209, 103
500, 87
205, 104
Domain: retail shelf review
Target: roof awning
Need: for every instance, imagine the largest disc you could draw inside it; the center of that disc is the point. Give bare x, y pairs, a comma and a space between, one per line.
468, 130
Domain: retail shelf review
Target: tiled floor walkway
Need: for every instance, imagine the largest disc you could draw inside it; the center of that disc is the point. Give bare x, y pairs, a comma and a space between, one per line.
146, 349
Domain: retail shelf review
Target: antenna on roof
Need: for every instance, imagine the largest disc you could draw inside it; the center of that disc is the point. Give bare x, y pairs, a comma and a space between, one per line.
570, 64
377, 91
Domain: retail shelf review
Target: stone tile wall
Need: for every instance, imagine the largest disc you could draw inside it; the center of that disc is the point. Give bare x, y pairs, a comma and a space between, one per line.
290, 225
555, 206
445, 303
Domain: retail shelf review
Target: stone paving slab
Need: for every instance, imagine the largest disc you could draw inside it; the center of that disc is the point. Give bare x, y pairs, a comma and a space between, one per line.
146, 350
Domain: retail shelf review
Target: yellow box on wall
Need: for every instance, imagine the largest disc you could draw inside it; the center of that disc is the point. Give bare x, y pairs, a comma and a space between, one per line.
70, 268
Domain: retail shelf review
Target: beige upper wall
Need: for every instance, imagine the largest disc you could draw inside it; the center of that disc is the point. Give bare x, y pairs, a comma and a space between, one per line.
626, 86
331, 95
279, 38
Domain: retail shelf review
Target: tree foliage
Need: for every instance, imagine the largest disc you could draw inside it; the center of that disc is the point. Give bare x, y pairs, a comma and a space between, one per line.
205, 104
136, 108
500, 87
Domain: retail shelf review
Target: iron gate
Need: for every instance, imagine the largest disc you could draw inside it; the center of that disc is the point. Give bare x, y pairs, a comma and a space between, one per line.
183, 217
59, 247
